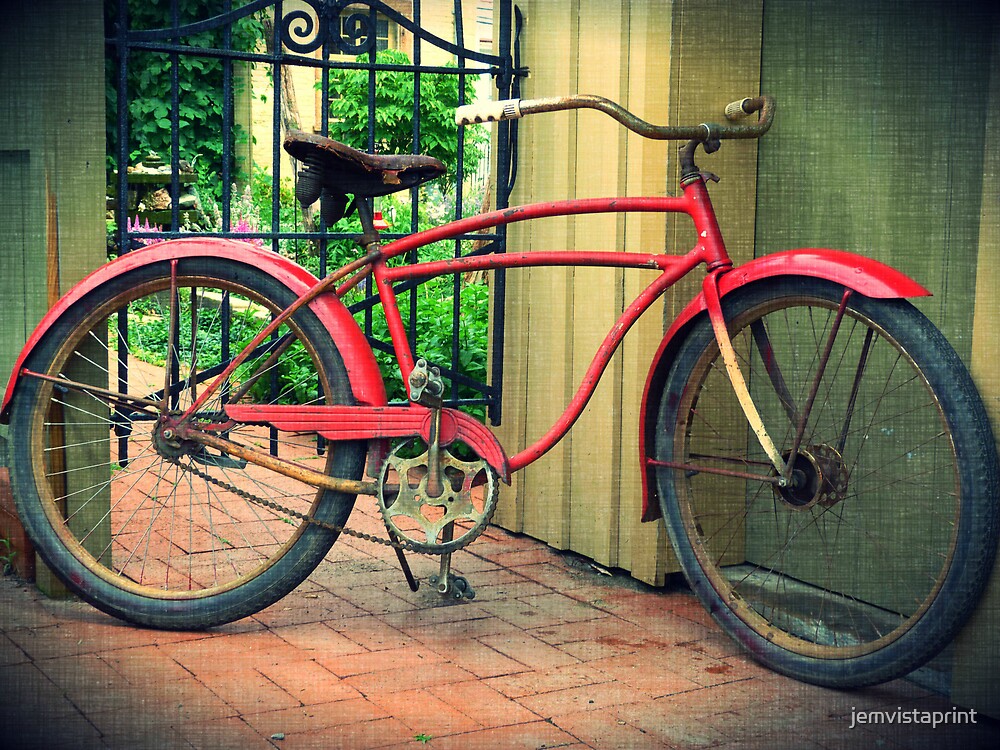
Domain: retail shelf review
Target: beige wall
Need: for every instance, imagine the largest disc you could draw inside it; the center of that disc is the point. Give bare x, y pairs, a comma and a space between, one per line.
681, 61
585, 495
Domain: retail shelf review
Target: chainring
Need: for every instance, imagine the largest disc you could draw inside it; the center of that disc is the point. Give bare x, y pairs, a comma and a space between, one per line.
430, 524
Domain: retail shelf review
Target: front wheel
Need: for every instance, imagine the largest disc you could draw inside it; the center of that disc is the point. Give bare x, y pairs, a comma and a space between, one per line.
868, 565
161, 532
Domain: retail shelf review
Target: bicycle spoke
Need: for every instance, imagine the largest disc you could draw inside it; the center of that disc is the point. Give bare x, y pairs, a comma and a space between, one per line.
773, 369
142, 508
848, 556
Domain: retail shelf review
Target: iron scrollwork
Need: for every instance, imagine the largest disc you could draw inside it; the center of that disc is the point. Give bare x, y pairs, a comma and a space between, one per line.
355, 32
304, 33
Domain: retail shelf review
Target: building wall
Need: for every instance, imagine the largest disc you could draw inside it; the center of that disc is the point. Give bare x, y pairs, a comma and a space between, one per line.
51, 167
885, 143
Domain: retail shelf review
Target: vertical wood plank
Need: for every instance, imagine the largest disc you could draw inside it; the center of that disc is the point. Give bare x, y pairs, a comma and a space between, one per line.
544, 350
510, 432
977, 652
52, 118
642, 547
714, 59
595, 439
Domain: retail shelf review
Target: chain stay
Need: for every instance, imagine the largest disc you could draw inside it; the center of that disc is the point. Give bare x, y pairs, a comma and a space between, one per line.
288, 511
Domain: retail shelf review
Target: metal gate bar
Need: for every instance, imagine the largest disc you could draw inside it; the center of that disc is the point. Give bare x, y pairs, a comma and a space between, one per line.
292, 45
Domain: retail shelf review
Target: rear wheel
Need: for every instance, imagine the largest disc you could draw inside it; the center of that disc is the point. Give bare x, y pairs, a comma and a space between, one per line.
161, 532
871, 561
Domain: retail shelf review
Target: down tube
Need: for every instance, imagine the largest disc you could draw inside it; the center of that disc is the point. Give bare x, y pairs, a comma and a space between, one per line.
600, 362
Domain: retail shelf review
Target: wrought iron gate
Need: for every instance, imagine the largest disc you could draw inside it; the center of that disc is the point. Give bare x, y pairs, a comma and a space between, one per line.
331, 37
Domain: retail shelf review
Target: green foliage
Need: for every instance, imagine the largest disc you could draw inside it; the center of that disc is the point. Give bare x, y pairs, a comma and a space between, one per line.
394, 111
199, 116
435, 300
149, 333
7, 555
199, 133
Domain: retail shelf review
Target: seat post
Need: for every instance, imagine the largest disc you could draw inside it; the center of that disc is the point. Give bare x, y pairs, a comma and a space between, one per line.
369, 234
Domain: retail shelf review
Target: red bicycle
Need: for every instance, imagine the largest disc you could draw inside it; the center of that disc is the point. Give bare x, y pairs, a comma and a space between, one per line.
818, 452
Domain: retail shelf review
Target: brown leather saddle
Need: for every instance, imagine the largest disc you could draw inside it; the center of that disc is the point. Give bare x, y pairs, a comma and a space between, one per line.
334, 170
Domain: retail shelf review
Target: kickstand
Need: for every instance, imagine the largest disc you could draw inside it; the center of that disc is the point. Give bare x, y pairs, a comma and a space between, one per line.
412, 582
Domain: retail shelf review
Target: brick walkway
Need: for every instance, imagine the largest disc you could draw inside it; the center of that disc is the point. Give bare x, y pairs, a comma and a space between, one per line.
551, 653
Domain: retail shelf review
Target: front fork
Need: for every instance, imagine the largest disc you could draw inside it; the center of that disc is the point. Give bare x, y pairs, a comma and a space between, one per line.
783, 465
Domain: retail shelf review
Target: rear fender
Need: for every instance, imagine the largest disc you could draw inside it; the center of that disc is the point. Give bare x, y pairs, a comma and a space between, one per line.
363, 373
862, 275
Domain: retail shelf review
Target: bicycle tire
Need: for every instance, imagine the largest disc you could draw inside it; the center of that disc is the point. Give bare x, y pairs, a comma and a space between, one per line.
133, 534
864, 575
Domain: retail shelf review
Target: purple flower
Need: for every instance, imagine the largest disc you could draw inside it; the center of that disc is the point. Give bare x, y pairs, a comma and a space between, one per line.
138, 228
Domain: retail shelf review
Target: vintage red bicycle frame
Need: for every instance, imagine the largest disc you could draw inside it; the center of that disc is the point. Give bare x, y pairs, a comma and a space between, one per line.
857, 272
359, 423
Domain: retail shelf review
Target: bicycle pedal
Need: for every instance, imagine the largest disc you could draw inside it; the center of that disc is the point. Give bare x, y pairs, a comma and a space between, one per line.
455, 587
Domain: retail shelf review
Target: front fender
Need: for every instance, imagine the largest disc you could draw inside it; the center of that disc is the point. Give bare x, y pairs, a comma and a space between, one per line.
366, 381
862, 275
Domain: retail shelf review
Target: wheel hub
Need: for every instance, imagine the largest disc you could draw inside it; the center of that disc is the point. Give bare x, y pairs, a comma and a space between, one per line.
819, 476
167, 442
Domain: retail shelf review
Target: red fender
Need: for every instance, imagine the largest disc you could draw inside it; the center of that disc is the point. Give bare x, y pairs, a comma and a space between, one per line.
863, 275
366, 381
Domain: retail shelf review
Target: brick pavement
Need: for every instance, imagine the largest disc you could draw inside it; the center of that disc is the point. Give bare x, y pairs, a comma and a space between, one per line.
550, 654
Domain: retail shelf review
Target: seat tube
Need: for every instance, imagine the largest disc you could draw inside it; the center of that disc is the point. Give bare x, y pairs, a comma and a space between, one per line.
394, 322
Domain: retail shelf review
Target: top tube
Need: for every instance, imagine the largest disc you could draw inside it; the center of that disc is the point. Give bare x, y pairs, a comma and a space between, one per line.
662, 204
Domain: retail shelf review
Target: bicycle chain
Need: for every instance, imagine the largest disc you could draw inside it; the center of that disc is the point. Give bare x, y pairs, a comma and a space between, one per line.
408, 546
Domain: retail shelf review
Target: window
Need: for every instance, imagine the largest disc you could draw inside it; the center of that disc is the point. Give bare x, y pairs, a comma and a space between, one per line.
349, 28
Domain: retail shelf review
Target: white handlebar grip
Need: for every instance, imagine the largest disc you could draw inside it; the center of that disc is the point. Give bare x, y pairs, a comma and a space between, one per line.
505, 109
734, 110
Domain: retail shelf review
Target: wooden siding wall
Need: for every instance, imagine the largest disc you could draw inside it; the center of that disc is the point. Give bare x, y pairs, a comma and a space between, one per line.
667, 62
886, 143
51, 159
51, 166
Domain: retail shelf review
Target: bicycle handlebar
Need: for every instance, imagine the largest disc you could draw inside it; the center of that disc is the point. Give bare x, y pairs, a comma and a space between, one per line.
512, 109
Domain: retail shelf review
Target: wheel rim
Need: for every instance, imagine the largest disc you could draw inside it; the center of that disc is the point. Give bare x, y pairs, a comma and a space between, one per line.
144, 524
884, 505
